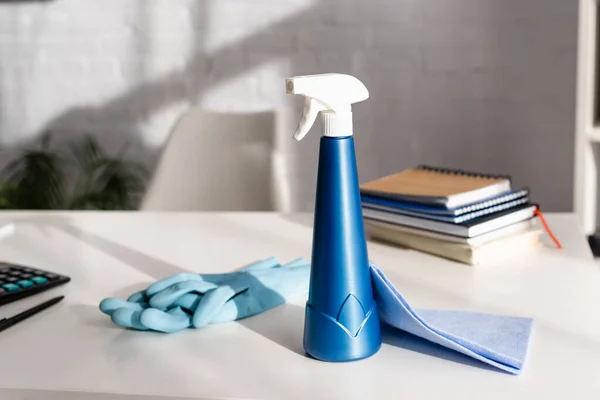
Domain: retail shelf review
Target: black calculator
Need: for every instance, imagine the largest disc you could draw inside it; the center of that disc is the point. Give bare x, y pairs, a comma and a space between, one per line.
18, 282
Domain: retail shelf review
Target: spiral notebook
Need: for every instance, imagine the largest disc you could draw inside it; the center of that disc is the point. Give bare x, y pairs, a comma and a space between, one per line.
454, 219
467, 229
445, 187
522, 195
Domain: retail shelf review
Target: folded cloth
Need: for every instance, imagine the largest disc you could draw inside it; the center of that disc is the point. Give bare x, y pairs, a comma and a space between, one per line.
497, 340
195, 300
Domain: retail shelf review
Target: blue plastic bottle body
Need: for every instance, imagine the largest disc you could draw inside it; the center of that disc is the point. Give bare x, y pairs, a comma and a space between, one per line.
341, 322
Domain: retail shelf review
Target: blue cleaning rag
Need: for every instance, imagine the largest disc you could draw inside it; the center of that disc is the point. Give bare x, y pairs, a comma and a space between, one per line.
496, 340
194, 300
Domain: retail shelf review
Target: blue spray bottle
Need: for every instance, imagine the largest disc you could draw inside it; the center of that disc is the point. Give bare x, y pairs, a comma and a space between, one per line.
341, 322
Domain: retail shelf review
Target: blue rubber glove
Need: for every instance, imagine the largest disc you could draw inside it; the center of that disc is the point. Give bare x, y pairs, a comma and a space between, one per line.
196, 300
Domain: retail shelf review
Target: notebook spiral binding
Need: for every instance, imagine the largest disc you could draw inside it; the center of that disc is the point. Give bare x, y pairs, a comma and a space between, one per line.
451, 171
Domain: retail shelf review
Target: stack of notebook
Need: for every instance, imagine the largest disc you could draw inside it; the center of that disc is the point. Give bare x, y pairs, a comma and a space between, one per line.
455, 214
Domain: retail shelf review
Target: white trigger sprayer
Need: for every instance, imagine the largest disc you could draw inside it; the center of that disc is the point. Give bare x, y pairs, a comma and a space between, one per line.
332, 96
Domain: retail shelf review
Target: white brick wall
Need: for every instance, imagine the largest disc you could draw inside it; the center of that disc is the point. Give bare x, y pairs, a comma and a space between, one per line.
481, 84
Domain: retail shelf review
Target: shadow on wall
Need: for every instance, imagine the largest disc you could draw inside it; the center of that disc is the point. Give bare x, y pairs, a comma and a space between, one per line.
476, 88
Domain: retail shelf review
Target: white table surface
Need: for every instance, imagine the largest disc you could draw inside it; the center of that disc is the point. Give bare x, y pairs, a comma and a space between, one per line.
72, 351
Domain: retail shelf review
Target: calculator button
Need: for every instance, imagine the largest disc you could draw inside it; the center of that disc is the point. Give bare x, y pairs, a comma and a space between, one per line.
2, 276
25, 284
26, 276
1, 290
39, 279
9, 287
51, 276
11, 279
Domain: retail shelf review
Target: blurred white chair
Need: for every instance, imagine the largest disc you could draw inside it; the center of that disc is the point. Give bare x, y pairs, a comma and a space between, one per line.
216, 161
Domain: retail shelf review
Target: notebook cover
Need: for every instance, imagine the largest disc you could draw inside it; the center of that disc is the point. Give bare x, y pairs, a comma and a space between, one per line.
470, 228
454, 219
388, 204
432, 185
495, 251
384, 227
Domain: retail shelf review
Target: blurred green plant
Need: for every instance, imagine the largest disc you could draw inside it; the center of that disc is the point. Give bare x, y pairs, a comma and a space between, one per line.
86, 178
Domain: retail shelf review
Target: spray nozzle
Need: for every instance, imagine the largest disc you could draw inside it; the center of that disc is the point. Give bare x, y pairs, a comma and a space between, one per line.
332, 96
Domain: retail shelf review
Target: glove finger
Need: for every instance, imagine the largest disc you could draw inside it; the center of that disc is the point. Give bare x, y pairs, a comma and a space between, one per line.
229, 311
109, 305
166, 297
178, 312
138, 297
173, 321
211, 303
128, 318
171, 280
188, 301
264, 264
